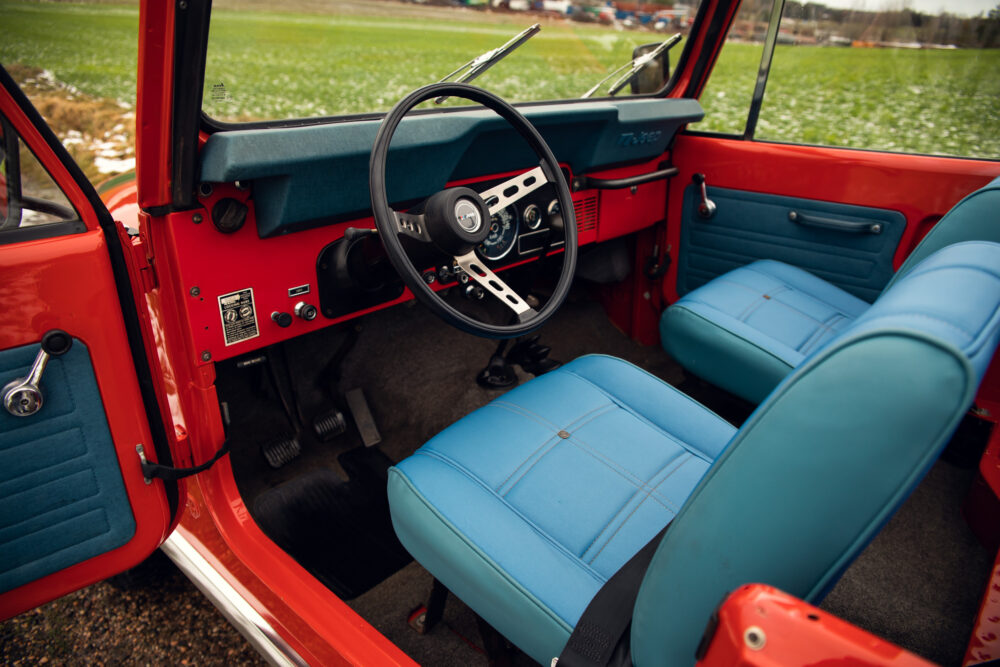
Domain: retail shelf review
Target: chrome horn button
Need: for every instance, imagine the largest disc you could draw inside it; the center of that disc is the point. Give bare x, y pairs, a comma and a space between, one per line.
468, 216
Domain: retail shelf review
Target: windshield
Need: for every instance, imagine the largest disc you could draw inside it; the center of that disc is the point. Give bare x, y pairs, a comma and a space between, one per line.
313, 58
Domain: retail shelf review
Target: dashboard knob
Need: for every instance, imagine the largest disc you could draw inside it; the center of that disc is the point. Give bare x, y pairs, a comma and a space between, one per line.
306, 311
283, 320
474, 292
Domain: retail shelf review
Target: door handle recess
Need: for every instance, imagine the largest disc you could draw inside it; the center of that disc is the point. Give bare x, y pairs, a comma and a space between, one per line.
23, 397
836, 225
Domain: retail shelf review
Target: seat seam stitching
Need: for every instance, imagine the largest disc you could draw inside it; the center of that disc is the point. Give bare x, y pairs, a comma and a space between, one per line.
817, 334
531, 524
649, 491
525, 412
636, 509
642, 418
558, 438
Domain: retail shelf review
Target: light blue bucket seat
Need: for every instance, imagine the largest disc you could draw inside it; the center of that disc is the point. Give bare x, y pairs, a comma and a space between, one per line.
747, 329
525, 507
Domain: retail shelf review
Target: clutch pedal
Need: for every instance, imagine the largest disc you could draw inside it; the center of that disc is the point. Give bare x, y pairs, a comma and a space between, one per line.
280, 452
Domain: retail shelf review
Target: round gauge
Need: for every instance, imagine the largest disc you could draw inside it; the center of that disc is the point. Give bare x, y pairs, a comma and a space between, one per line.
553, 208
532, 217
503, 233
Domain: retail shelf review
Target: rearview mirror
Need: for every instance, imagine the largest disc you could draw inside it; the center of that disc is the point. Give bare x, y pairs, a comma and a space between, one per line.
654, 75
10, 177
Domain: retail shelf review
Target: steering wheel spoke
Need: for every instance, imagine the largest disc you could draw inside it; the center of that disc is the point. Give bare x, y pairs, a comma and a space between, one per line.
412, 225
481, 273
503, 195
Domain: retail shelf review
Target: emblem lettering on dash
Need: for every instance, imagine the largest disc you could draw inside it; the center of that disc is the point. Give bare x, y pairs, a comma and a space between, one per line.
639, 138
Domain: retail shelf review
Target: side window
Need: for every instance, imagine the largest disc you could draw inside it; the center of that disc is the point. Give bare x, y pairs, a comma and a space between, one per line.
727, 95
31, 204
905, 80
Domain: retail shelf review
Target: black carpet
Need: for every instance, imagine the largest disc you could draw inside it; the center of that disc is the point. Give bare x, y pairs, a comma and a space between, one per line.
339, 531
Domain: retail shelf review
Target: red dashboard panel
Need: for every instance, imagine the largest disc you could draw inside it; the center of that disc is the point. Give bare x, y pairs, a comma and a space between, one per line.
239, 266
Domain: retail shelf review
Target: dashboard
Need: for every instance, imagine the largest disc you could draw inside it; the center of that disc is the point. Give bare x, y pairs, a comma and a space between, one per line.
283, 243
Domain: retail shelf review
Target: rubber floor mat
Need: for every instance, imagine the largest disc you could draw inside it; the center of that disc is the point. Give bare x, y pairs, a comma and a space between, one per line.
339, 531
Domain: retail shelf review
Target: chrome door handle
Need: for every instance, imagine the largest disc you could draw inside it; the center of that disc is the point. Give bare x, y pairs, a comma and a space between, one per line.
23, 397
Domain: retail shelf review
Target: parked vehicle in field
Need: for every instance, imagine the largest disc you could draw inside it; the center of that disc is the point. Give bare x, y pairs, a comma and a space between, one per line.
419, 374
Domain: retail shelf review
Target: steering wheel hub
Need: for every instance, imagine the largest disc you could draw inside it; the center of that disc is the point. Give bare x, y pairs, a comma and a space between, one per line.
468, 216
456, 220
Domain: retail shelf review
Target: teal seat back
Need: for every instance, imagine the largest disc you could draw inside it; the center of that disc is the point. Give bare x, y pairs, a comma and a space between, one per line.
975, 218
828, 457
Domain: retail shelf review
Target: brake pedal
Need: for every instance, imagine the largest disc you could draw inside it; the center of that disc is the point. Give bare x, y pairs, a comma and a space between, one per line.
280, 452
329, 426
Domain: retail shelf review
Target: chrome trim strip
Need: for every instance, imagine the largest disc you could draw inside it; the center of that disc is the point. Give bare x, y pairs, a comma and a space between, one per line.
257, 631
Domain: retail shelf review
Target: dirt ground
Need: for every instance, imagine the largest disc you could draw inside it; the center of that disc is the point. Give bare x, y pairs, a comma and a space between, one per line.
166, 622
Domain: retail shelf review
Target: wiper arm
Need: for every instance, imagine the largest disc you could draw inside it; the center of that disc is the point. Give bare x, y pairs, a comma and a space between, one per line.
636, 67
480, 64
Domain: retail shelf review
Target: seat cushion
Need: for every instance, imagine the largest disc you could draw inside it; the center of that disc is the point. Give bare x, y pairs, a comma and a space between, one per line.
525, 507
747, 329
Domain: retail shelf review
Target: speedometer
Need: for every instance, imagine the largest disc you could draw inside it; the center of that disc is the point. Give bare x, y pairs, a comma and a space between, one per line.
503, 233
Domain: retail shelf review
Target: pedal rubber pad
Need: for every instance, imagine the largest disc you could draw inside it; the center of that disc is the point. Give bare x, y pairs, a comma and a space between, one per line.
363, 417
329, 426
280, 452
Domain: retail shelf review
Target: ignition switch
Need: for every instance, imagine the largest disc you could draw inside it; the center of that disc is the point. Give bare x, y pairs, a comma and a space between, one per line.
305, 311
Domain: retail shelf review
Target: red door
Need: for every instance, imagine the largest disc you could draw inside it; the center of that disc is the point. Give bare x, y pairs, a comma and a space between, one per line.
78, 404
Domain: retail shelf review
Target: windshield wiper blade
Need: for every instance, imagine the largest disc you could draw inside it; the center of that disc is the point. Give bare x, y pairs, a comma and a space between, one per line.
480, 64
636, 67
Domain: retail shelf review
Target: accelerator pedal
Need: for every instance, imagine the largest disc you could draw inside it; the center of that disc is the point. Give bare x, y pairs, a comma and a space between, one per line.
358, 406
280, 452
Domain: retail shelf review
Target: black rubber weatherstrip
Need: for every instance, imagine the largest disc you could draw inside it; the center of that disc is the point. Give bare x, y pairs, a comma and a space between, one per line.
190, 47
130, 313
721, 20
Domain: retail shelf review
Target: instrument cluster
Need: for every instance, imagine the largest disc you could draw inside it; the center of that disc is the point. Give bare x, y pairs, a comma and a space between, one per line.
524, 228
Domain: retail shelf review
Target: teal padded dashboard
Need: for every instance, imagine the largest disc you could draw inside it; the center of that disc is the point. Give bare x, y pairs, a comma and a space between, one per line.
308, 176
62, 497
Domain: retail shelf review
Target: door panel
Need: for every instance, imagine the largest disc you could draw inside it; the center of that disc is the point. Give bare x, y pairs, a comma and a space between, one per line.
919, 189
849, 246
61, 488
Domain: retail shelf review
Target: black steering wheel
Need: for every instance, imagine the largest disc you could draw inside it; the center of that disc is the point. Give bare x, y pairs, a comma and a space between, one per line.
456, 220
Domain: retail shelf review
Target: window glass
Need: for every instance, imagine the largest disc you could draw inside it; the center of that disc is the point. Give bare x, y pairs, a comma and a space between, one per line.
309, 58
28, 195
726, 97
918, 78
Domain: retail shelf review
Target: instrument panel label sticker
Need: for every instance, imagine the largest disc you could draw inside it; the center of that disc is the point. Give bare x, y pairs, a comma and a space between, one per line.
239, 321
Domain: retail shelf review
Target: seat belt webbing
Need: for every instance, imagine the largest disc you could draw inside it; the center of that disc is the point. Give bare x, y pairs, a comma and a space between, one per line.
602, 627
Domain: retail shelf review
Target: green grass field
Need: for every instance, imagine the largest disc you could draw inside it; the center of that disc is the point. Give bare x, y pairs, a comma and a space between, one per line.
280, 64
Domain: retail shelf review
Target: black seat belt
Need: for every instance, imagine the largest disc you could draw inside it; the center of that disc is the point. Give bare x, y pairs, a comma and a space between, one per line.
600, 638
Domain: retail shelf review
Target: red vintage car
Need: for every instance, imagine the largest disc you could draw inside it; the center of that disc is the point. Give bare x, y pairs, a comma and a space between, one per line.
338, 367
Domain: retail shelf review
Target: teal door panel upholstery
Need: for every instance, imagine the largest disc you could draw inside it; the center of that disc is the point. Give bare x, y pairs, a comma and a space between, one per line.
62, 497
308, 176
748, 226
